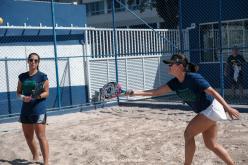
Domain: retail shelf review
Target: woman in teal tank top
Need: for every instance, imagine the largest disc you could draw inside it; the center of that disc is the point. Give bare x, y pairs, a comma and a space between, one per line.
33, 89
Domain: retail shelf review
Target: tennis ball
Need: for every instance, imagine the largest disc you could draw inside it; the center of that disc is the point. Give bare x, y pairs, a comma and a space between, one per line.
1, 20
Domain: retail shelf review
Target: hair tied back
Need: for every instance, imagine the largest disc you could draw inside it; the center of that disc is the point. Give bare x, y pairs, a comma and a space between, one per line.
192, 67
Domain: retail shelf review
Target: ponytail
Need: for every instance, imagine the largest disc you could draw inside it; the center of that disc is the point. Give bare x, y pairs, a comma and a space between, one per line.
192, 67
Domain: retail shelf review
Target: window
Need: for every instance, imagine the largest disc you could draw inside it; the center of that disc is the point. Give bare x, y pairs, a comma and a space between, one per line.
95, 8
234, 33
134, 5
118, 6
208, 43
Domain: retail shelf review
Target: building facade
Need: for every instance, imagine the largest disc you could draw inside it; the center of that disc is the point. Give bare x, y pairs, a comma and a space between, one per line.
99, 14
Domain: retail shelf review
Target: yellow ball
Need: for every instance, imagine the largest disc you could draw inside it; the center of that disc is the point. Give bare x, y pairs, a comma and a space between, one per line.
1, 20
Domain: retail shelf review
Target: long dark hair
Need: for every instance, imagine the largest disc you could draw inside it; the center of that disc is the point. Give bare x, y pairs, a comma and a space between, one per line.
34, 54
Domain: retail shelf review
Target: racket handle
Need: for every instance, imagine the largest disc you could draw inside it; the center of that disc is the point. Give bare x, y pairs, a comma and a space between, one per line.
123, 91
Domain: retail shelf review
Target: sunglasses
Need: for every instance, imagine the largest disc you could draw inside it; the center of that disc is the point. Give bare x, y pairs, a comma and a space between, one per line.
177, 63
171, 64
33, 60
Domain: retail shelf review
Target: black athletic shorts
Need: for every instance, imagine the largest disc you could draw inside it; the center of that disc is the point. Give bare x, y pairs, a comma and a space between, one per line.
33, 119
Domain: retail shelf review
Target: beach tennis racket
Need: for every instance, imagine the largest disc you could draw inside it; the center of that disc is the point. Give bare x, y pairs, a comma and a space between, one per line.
38, 89
111, 90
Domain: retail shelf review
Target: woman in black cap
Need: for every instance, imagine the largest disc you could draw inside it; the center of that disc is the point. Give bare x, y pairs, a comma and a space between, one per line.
202, 98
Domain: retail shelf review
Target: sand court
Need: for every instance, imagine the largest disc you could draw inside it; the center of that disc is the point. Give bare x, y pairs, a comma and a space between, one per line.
123, 135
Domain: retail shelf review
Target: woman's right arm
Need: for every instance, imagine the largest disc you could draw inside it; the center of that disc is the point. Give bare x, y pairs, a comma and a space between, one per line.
152, 92
19, 89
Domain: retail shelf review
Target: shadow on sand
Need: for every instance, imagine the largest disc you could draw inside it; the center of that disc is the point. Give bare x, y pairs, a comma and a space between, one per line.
19, 162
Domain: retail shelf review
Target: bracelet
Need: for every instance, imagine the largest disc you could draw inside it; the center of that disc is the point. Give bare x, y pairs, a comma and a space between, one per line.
21, 97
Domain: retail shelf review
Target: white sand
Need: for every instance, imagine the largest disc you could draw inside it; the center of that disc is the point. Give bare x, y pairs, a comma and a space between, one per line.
123, 135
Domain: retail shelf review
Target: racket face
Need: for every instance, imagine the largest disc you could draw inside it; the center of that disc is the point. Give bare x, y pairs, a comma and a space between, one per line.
27, 87
110, 90
39, 88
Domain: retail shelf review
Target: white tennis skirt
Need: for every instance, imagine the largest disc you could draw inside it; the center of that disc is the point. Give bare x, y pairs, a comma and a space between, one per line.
215, 111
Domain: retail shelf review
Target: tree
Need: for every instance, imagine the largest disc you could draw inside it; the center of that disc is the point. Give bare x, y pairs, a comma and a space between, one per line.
168, 10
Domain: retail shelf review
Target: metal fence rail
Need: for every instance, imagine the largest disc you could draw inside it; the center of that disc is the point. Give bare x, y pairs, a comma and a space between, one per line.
133, 42
139, 52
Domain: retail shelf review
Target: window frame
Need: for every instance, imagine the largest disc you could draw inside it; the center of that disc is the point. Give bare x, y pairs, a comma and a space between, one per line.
241, 42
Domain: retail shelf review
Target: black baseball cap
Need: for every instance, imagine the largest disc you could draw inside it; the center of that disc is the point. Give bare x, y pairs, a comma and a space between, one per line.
177, 59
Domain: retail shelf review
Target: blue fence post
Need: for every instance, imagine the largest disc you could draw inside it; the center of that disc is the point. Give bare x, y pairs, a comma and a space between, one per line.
181, 27
7, 85
69, 77
220, 48
114, 43
55, 54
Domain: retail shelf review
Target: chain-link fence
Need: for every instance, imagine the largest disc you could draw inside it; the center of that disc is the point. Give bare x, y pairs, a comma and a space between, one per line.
151, 40
126, 45
11, 68
56, 38
197, 29
71, 68
218, 44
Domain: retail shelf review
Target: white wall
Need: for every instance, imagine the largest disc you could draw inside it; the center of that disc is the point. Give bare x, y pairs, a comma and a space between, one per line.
19, 64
